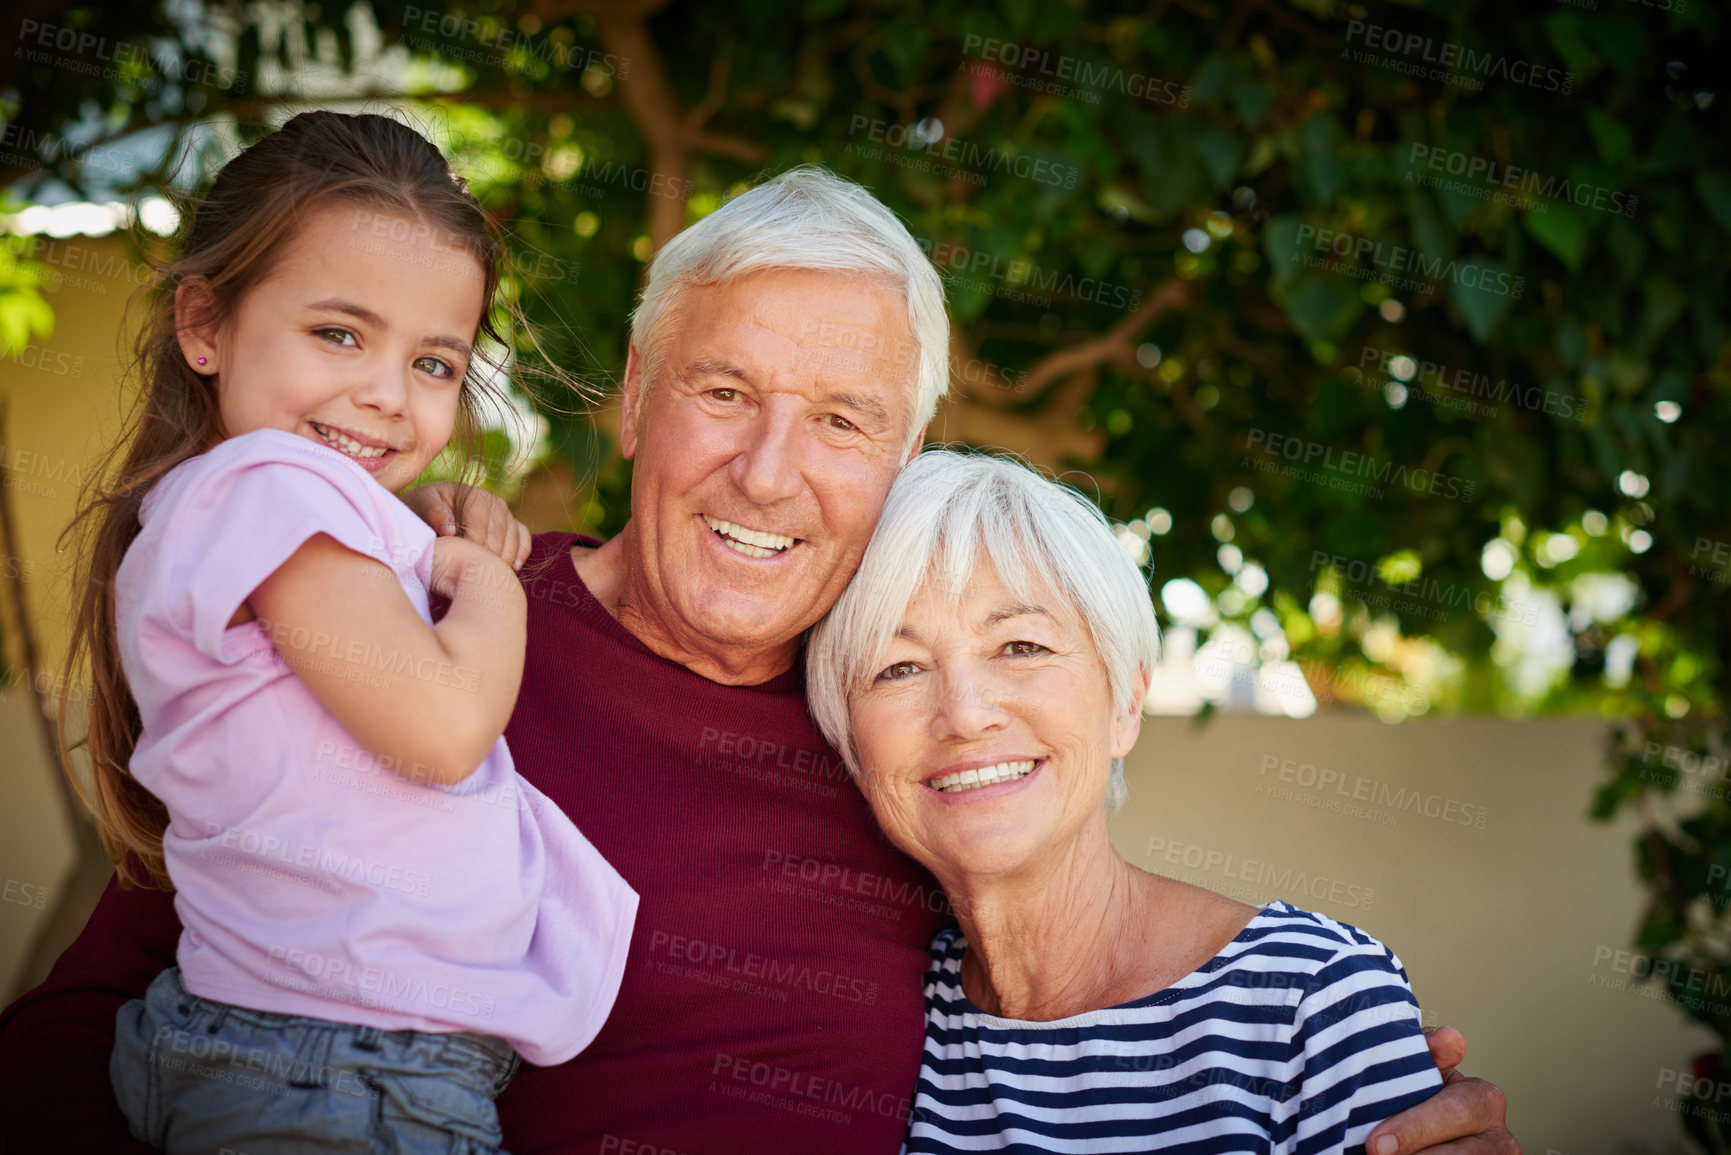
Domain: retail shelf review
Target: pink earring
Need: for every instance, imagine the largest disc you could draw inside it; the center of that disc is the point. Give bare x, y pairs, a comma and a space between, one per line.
201, 360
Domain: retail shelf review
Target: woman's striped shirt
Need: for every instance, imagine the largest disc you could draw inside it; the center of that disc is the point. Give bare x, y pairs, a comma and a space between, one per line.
1296, 1039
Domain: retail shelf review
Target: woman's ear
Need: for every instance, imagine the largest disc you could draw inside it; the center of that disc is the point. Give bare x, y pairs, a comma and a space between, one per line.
195, 326
1127, 727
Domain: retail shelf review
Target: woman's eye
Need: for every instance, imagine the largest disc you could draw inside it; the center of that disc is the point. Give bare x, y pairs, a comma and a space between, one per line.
1019, 648
341, 336
435, 366
897, 670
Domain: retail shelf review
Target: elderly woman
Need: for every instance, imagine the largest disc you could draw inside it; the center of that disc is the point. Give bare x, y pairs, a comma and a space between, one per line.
983, 677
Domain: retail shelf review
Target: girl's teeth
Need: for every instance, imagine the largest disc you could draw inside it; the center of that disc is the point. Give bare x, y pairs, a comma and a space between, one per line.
348, 444
984, 776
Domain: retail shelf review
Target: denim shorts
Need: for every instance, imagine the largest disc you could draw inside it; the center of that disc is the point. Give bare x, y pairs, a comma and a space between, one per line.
197, 1076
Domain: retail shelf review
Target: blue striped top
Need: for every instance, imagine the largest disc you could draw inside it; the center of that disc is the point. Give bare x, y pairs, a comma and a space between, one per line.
1296, 1039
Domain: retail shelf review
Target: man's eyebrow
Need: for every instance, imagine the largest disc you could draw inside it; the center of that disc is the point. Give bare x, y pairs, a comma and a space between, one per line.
1014, 610
362, 313
863, 404
713, 367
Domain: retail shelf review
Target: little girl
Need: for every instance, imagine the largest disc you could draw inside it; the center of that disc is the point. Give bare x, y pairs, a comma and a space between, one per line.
379, 914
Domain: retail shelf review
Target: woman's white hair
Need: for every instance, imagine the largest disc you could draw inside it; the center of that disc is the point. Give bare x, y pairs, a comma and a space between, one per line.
806, 218
945, 513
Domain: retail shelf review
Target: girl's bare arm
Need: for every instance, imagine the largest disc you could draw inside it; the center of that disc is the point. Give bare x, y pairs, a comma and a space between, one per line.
429, 700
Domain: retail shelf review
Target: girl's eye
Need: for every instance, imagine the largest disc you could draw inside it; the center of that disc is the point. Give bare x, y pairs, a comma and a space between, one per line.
342, 336
898, 670
435, 366
1021, 648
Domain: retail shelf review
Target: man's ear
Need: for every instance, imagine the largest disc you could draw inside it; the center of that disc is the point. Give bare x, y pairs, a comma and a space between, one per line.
919, 444
1127, 727
631, 404
195, 326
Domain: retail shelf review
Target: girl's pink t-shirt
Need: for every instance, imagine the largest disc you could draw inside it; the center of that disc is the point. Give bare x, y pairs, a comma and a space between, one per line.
311, 877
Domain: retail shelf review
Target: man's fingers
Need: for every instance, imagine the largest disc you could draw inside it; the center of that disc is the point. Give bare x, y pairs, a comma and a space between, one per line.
1448, 1047
1498, 1142
1464, 1108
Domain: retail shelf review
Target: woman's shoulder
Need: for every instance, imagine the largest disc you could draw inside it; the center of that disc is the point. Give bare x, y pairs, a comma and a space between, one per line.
1309, 950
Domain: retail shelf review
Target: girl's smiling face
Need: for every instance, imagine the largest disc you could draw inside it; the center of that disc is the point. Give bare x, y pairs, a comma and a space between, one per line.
358, 338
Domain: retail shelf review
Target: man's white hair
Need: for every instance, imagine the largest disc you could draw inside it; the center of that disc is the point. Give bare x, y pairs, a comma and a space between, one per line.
945, 514
806, 218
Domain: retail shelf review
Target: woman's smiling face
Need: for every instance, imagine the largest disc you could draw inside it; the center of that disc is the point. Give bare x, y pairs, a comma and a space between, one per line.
986, 737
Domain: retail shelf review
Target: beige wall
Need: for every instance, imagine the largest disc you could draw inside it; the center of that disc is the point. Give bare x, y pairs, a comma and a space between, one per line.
1507, 931
61, 401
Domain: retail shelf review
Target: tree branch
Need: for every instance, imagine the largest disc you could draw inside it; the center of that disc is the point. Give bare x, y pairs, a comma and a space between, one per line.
1117, 344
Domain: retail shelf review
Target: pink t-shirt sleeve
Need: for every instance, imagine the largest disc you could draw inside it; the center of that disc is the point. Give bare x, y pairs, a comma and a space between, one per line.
248, 515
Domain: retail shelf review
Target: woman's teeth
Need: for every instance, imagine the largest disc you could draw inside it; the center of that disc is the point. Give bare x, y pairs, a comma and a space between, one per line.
750, 542
984, 776
347, 444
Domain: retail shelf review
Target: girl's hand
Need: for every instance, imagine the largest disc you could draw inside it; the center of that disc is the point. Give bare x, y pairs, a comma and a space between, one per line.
482, 517
467, 569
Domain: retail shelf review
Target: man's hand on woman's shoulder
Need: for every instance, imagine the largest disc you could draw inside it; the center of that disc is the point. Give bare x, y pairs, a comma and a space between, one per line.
1467, 1117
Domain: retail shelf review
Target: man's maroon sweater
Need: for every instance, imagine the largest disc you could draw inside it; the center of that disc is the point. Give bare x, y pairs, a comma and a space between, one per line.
772, 998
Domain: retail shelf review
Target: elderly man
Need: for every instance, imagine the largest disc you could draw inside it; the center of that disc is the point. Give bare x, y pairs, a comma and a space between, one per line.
787, 354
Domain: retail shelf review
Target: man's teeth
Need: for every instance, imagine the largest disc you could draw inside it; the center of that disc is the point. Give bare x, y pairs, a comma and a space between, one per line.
984, 776
750, 542
348, 444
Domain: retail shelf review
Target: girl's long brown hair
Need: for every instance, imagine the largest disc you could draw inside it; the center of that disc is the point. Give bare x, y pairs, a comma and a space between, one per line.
228, 241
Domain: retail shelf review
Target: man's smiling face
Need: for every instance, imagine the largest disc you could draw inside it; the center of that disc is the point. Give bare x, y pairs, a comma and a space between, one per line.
764, 446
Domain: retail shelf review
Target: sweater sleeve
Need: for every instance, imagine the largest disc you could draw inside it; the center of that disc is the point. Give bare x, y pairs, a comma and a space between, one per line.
1363, 1050
55, 1040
